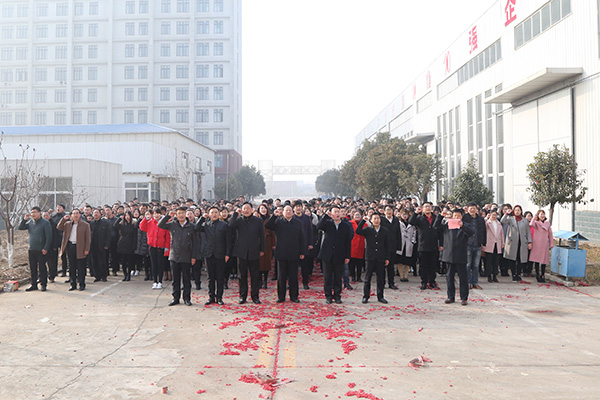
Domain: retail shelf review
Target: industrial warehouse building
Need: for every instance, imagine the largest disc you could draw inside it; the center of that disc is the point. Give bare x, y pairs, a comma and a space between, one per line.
521, 78
103, 163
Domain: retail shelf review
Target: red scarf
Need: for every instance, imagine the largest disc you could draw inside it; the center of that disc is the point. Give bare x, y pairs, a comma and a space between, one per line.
518, 217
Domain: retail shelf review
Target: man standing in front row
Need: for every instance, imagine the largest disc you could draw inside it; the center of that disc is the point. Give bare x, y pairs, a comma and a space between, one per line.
335, 252
40, 240
377, 254
290, 249
76, 243
249, 235
428, 244
183, 242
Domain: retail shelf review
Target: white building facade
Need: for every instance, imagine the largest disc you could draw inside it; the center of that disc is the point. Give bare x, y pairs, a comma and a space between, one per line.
155, 163
523, 77
176, 63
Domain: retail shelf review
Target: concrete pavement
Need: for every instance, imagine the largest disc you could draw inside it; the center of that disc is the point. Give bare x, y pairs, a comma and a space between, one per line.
120, 340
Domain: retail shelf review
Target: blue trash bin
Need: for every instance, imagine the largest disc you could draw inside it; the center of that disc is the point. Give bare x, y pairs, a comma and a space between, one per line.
567, 260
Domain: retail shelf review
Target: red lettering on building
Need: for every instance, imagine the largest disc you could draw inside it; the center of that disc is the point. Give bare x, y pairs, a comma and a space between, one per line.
428, 80
447, 65
509, 10
473, 39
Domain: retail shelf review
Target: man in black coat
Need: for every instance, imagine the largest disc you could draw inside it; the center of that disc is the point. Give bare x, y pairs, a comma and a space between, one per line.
56, 243
215, 249
377, 254
477, 243
290, 249
391, 223
453, 245
335, 252
181, 254
101, 232
428, 244
114, 259
306, 264
249, 234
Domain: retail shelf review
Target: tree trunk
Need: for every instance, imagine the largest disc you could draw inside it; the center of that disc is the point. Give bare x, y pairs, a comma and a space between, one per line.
551, 213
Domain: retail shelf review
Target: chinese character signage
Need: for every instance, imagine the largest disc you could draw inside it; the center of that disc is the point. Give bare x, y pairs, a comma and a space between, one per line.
428, 80
509, 10
473, 39
447, 63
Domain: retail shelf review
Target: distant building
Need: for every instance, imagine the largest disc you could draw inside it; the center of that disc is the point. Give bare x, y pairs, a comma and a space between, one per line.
176, 63
523, 77
154, 162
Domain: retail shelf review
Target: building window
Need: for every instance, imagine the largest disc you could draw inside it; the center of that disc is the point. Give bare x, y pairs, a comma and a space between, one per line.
77, 95
542, 20
60, 117
218, 27
203, 6
143, 28
201, 71
78, 52
182, 72
128, 94
129, 72
143, 6
78, 9
60, 74
77, 117
202, 137
183, 6
470, 126
93, 73
181, 116
22, 52
218, 139
6, 97
218, 115
129, 28
93, 8
202, 49
40, 96
183, 27
165, 94
165, 49
202, 116
22, 31
165, 116
21, 118
143, 50
136, 190
182, 93
39, 118
165, 6
130, 7
165, 71
165, 28
93, 30
218, 7
41, 74
62, 9
182, 49
218, 49
201, 93
21, 75
78, 30
143, 94
142, 116
7, 53
128, 117
202, 27
61, 30
218, 160
218, 71
60, 52
41, 10
7, 32
41, 53
22, 10
142, 72
92, 117
129, 50
21, 96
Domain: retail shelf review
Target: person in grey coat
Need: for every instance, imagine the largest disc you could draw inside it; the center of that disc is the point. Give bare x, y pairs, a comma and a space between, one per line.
518, 240
40, 240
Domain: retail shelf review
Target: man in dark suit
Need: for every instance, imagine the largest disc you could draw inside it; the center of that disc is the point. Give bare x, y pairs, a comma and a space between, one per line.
307, 228
57, 241
215, 249
423, 219
249, 234
101, 231
334, 252
290, 249
377, 254
391, 223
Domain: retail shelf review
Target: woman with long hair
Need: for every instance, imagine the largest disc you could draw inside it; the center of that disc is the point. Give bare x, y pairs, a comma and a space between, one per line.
357, 250
518, 240
270, 241
543, 241
493, 245
407, 254
127, 228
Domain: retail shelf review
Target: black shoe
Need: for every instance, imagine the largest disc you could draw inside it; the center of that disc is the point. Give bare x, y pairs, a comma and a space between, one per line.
198, 287
490, 279
306, 286
174, 303
72, 288
280, 301
348, 287
188, 303
365, 300
264, 285
338, 301
382, 300
225, 286
31, 288
114, 274
103, 279
68, 281
495, 279
242, 301
423, 286
393, 287
328, 300
220, 302
97, 280
64, 274
295, 301
449, 301
125, 279
542, 279
81, 288
256, 301
435, 286
43, 289
209, 302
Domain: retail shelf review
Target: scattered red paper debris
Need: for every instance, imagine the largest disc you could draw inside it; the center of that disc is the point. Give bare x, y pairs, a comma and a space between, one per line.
349, 346
200, 391
418, 362
352, 385
361, 394
165, 389
314, 389
420, 329
331, 376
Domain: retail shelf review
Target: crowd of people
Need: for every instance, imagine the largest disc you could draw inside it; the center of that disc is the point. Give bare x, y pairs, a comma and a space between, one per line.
348, 239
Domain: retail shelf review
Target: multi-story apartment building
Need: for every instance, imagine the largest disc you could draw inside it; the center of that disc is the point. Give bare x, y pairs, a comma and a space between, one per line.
175, 63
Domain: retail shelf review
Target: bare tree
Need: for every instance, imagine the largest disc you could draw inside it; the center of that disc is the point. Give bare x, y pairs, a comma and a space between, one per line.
176, 181
20, 184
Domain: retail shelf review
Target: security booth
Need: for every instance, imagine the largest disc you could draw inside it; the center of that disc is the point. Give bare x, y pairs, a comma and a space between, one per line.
567, 258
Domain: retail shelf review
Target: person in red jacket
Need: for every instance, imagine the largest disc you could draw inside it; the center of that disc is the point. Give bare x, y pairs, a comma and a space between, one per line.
158, 240
357, 250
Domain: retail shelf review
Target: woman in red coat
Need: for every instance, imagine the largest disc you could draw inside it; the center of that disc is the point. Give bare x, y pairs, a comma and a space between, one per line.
357, 250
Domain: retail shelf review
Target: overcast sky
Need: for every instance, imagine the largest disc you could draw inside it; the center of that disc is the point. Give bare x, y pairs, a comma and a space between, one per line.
315, 72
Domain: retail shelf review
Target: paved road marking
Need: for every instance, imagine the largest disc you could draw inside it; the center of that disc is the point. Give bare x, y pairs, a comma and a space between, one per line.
265, 355
289, 353
105, 289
